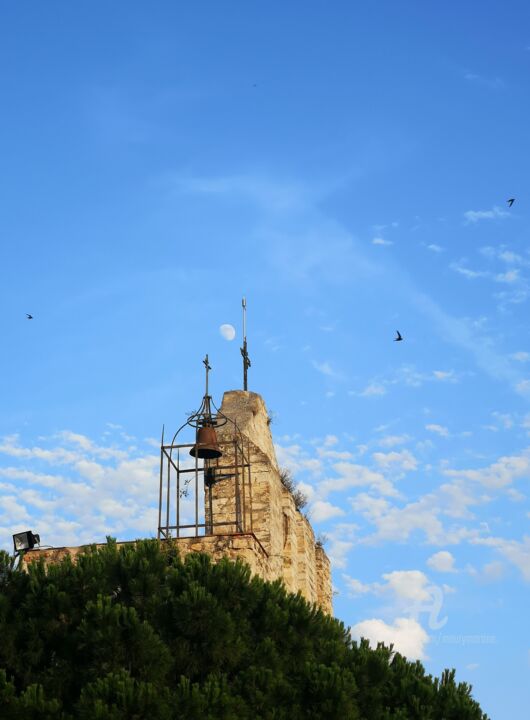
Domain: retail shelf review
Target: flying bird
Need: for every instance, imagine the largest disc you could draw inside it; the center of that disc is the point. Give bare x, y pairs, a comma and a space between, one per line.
510, 202
29, 317
399, 337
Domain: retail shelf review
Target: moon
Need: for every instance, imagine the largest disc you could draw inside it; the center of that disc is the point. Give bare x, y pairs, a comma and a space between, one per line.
228, 331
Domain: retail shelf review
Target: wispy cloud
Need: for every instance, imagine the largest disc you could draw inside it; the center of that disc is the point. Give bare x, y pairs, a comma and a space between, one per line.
523, 387
510, 276
437, 429
444, 375
515, 551
325, 368
381, 241
467, 272
73, 492
500, 474
373, 390
474, 216
486, 81
403, 460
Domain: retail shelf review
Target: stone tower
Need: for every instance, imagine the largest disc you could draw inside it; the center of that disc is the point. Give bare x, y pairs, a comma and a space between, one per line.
277, 541
284, 533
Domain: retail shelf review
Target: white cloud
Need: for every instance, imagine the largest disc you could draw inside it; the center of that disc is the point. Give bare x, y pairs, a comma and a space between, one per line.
326, 369
523, 387
505, 419
295, 459
338, 551
490, 82
381, 241
516, 552
493, 571
78, 439
353, 475
455, 499
356, 587
406, 634
437, 429
100, 490
442, 561
510, 257
393, 440
520, 356
435, 248
444, 375
322, 510
405, 586
467, 272
397, 524
499, 474
373, 389
473, 216
403, 460
510, 276
410, 585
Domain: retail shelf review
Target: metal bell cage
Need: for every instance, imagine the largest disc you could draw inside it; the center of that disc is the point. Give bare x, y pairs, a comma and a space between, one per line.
205, 486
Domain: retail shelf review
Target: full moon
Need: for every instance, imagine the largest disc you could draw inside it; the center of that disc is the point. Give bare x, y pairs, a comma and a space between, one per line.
228, 332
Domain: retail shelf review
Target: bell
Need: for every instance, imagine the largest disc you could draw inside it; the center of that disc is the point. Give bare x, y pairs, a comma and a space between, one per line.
206, 445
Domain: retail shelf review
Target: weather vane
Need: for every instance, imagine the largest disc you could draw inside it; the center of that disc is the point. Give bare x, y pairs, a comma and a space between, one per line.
244, 352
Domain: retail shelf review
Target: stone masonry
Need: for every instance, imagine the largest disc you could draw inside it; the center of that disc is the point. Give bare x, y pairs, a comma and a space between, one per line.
280, 543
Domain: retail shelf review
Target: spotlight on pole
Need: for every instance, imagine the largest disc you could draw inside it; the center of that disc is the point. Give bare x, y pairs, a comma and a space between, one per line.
25, 541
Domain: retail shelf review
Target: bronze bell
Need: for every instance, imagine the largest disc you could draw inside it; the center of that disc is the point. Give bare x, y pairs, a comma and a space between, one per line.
206, 445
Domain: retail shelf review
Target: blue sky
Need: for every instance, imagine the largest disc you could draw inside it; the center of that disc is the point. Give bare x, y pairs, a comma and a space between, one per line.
346, 167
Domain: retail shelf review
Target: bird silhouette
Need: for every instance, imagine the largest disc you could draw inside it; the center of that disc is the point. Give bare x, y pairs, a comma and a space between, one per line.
510, 202
399, 337
29, 317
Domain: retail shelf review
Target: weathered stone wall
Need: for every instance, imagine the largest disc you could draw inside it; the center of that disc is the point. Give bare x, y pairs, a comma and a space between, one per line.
245, 547
283, 531
277, 541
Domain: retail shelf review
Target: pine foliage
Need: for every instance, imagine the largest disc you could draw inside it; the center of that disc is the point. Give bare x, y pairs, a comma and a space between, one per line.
134, 632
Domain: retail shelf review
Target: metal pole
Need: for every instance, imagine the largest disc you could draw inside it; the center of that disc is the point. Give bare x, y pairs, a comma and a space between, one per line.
178, 492
168, 497
250, 489
243, 484
161, 487
197, 483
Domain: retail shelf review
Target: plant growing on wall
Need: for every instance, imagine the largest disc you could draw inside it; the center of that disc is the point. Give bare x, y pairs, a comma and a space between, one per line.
287, 480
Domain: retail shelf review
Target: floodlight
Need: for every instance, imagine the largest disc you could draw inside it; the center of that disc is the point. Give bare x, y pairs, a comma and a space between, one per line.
25, 541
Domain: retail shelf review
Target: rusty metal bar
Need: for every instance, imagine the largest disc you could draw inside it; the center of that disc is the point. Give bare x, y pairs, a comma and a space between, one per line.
197, 480
160, 493
244, 491
170, 459
201, 525
250, 489
178, 492
168, 493
237, 487
219, 467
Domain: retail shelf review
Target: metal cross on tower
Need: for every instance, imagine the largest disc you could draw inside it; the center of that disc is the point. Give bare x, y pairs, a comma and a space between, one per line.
244, 352
208, 368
